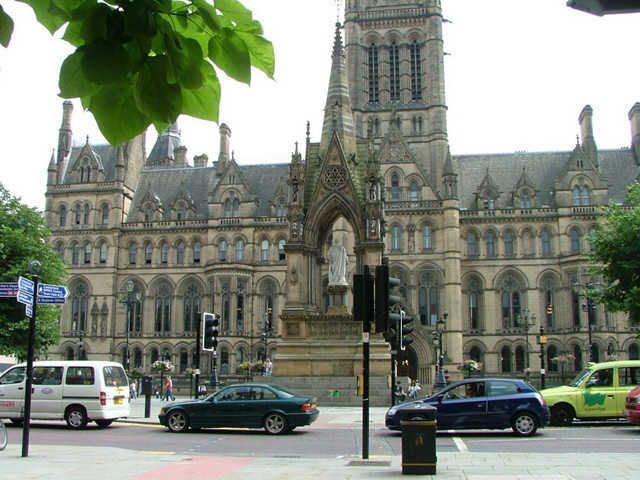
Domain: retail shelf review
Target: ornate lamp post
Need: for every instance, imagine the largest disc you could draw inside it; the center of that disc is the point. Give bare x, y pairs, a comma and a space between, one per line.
129, 297
527, 325
265, 335
441, 381
581, 291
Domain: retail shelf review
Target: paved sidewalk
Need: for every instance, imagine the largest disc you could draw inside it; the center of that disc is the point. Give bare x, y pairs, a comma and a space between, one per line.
56, 462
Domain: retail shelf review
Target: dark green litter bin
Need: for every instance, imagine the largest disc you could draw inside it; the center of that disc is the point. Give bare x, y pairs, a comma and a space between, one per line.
418, 423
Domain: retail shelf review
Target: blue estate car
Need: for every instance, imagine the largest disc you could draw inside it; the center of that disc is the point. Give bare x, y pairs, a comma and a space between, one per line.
483, 403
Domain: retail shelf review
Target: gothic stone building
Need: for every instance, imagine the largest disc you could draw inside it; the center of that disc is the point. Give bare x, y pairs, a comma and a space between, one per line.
493, 240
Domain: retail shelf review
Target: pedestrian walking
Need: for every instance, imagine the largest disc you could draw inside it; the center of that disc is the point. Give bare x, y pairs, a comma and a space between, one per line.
168, 394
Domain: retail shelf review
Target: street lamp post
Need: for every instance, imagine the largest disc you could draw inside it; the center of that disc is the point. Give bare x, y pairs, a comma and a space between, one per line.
527, 325
129, 297
581, 291
441, 380
265, 336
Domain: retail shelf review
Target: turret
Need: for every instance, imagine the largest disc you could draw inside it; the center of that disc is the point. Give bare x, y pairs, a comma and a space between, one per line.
634, 119
586, 133
65, 137
223, 156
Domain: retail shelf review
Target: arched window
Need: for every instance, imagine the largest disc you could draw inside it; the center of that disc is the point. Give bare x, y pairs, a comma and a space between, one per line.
416, 72
577, 358
489, 201
180, 253
240, 312
576, 195
552, 352
63, 216
281, 255
472, 245
427, 240
394, 72
413, 192
197, 251
78, 214
239, 251
525, 199
61, 250
79, 309
75, 256
133, 253
264, 250
520, 359
374, 91
191, 310
87, 253
148, 253
395, 188
505, 359
490, 244
86, 215
164, 253
105, 215
226, 310
508, 244
236, 208
137, 358
586, 200
181, 213
227, 208
163, 309
474, 310
428, 305
222, 250
148, 214
396, 238
575, 240
103, 252
546, 242
510, 300
634, 352
281, 210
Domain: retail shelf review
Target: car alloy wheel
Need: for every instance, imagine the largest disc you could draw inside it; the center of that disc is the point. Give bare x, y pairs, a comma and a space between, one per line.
177, 421
524, 424
275, 423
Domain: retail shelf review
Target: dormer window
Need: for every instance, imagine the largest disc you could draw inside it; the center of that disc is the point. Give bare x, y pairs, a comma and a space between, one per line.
148, 214
525, 199
489, 201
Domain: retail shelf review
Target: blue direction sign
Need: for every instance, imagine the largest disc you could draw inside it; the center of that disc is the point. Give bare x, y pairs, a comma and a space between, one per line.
52, 291
28, 309
8, 289
50, 300
25, 298
25, 285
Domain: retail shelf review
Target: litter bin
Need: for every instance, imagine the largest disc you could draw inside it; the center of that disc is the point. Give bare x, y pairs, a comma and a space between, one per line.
418, 423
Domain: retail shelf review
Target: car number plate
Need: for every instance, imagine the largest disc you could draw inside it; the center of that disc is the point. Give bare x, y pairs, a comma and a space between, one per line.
118, 400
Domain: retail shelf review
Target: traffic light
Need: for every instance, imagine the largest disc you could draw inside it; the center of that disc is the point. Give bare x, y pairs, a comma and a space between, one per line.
363, 297
210, 324
385, 300
403, 330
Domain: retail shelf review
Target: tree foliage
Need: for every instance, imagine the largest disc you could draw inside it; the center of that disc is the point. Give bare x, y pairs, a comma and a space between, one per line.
23, 238
616, 257
143, 62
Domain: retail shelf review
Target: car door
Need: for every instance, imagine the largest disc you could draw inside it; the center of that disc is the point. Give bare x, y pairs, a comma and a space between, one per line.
261, 400
458, 410
229, 407
504, 398
599, 395
12, 385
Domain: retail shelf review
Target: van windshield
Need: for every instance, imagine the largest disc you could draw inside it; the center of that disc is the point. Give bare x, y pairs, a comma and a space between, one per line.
114, 376
15, 375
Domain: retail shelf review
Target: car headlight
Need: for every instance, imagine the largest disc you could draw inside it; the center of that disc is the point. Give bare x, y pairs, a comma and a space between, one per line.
392, 411
633, 399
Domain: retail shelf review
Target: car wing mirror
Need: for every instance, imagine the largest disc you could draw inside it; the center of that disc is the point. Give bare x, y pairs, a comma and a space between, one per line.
440, 398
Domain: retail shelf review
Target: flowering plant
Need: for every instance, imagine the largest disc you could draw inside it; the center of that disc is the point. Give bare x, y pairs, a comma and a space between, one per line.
563, 359
253, 367
190, 371
527, 370
162, 366
469, 366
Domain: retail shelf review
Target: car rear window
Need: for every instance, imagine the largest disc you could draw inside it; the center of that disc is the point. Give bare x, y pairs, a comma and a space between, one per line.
502, 388
114, 376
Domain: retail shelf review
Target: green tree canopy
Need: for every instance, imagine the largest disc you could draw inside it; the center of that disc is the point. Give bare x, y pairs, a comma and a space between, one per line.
616, 257
23, 238
143, 62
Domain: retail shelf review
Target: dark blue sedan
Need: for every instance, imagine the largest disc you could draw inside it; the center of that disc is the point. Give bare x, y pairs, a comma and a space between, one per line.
245, 405
483, 403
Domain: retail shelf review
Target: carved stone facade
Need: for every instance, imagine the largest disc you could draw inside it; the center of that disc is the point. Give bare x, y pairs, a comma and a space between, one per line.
492, 239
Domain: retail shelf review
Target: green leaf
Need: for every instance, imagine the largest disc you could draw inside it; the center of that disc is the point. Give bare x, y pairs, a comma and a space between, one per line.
204, 103
72, 82
6, 28
155, 97
49, 14
234, 11
114, 109
208, 14
105, 62
229, 52
140, 21
261, 52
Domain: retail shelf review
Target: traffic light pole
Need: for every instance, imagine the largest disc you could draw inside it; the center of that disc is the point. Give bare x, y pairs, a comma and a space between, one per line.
198, 347
215, 381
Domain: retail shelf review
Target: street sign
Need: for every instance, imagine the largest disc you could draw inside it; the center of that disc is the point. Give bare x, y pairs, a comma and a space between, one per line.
25, 285
28, 310
25, 298
8, 289
51, 300
52, 291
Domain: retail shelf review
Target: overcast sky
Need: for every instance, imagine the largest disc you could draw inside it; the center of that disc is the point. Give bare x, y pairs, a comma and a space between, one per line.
518, 73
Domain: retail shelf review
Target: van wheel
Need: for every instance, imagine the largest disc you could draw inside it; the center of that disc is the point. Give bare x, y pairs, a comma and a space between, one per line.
104, 423
76, 417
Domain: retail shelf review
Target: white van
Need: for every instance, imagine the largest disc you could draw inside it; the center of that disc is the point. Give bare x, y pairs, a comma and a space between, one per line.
76, 391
